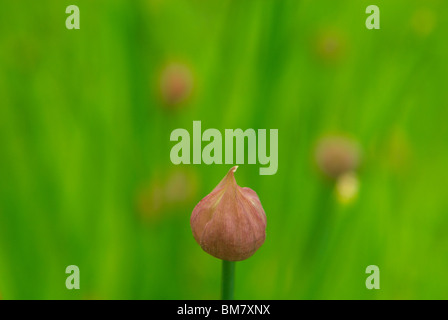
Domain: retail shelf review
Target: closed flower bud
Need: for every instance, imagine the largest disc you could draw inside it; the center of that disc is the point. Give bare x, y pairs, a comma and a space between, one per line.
229, 223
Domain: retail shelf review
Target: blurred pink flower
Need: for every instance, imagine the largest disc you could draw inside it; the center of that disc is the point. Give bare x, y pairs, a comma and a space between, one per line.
176, 84
330, 46
336, 155
166, 192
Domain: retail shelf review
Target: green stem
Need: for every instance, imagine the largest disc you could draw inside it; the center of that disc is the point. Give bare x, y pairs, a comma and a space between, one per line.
228, 279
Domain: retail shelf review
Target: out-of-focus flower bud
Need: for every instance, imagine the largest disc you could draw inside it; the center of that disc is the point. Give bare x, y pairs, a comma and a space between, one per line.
150, 201
165, 194
229, 223
176, 84
181, 187
337, 155
330, 46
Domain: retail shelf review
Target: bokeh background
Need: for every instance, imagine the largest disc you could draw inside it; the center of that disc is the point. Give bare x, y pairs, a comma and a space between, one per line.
86, 116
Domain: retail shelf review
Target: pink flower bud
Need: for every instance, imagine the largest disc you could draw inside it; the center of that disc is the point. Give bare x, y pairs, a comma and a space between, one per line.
176, 84
337, 155
229, 223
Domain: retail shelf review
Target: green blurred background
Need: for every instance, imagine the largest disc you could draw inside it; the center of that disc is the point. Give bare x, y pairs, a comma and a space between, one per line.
85, 123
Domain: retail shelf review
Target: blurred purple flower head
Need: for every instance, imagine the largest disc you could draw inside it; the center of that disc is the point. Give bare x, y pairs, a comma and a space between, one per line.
181, 186
168, 191
336, 155
330, 46
150, 200
176, 84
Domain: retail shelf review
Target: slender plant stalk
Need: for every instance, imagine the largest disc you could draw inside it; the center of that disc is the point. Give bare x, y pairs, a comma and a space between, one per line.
228, 279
